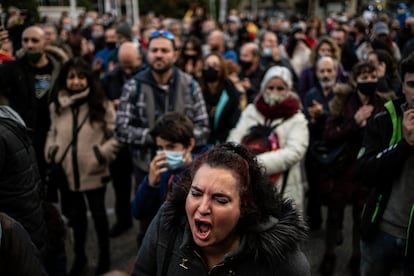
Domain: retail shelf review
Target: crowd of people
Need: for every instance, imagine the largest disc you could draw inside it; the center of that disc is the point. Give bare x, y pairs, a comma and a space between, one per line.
223, 140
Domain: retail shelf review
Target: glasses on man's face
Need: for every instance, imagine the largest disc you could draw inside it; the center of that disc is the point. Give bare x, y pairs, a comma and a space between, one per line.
161, 33
33, 39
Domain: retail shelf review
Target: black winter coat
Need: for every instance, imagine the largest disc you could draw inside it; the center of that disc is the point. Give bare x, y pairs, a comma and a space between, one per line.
18, 255
269, 248
20, 180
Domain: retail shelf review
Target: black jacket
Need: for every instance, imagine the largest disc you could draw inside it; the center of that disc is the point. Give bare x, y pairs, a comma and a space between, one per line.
18, 255
379, 163
17, 87
224, 119
268, 248
19, 178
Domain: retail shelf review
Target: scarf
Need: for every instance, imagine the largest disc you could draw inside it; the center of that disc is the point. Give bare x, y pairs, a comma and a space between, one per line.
285, 109
67, 99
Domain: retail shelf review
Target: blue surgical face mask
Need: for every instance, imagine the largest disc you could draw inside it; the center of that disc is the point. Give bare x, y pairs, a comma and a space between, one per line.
267, 52
175, 159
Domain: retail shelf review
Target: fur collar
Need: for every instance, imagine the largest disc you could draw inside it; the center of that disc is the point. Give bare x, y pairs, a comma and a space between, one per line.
342, 92
269, 241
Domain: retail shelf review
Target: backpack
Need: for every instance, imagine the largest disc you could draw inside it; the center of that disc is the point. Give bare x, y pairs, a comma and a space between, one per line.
260, 139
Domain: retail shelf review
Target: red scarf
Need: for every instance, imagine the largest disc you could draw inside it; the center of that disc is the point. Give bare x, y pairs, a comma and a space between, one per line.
285, 109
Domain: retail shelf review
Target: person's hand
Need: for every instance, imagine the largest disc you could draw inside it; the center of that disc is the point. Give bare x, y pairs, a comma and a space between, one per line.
158, 166
316, 110
362, 115
97, 65
246, 83
408, 126
4, 36
275, 54
116, 102
189, 66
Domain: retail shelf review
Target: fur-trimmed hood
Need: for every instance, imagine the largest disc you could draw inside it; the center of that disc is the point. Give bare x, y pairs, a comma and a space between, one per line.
269, 241
51, 51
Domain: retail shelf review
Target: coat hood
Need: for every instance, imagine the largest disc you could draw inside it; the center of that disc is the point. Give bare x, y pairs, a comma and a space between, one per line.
7, 112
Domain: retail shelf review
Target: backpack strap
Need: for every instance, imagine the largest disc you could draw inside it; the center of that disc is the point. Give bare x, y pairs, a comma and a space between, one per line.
284, 183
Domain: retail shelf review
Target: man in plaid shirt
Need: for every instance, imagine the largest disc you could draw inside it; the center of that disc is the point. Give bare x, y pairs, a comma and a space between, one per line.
152, 92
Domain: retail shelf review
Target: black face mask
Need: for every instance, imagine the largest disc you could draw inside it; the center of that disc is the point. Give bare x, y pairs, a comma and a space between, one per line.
214, 48
210, 74
111, 45
245, 65
189, 57
367, 88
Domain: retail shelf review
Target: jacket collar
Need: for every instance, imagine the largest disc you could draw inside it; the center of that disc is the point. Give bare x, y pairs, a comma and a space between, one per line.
66, 99
268, 241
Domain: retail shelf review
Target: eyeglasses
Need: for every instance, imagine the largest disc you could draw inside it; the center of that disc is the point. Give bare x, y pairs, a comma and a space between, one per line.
33, 39
161, 33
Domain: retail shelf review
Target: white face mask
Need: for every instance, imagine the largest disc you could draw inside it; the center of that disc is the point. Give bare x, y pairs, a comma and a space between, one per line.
272, 99
327, 83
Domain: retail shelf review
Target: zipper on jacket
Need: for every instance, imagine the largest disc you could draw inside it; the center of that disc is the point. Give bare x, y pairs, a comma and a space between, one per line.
75, 112
374, 215
408, 230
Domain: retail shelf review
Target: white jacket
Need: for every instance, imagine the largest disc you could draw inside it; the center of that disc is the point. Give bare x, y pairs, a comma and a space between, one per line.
293, 138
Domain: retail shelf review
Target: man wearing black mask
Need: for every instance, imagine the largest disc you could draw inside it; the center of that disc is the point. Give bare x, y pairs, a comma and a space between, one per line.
101, 58
251, 71
130, 63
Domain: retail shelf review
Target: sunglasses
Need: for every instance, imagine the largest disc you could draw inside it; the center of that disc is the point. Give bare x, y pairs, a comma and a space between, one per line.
33, 39
161, 33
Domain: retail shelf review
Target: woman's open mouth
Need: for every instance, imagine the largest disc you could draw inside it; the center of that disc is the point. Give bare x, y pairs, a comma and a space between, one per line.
203, 230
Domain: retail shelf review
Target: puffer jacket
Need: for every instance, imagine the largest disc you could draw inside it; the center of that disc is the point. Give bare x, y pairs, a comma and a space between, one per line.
20, 196
86, 164
18, 255
269, 248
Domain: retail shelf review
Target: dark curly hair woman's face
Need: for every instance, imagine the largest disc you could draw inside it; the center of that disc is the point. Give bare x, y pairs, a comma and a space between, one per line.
213, 208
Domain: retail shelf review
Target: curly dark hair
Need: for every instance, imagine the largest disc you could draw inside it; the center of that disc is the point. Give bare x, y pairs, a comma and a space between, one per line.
96, 96
258, 197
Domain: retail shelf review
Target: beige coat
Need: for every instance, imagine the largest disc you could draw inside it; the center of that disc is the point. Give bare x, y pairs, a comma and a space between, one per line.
93, 167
